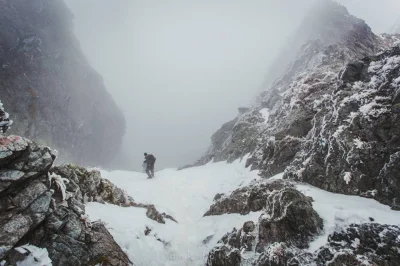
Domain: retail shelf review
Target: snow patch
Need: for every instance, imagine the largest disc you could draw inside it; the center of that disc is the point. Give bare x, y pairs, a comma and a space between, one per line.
339, 211
359, 144
347, 177
265, 114
186, 195
34, 256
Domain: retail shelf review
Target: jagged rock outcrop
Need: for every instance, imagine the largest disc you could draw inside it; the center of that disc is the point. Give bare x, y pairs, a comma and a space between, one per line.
48, 211
289, 221
354, 145
327, 22
273, 129
366, 244
89, 186
288, 224
246, 199
333, 110
50, 88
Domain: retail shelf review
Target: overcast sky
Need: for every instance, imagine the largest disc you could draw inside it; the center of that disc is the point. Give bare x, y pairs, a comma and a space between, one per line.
179, 69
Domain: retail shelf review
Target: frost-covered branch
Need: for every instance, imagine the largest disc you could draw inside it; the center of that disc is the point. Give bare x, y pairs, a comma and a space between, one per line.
5, 121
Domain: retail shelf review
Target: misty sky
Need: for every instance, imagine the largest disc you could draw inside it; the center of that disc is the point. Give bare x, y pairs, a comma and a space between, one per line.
179, 69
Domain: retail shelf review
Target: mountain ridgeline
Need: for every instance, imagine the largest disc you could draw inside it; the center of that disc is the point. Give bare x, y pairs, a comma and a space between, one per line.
332, 118
50, 88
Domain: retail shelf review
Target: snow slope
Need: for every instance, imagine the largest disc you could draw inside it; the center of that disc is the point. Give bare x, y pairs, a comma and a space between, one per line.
187, 195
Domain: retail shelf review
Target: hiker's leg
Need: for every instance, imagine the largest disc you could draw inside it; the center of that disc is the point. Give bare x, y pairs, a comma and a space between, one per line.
148, 172
152, 171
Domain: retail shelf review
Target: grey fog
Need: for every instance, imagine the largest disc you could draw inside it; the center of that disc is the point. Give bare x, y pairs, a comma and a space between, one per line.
180, 69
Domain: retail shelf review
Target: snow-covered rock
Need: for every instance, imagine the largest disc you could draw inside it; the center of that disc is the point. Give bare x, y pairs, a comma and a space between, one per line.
246, 199
354, 143
45, 213
288, 219
366, 244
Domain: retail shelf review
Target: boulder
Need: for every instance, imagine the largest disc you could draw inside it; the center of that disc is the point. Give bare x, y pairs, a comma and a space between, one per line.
289, 218
285, 228
247, 199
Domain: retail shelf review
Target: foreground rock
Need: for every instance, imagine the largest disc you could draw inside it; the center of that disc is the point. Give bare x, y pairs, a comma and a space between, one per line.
283, 233
288, 221
48, 210
366, 244
88, 186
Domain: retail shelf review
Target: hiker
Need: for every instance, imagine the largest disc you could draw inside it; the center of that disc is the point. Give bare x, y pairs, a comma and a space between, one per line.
149, 161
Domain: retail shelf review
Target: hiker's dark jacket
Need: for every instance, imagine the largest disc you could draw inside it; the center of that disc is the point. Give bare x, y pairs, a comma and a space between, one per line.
150, 160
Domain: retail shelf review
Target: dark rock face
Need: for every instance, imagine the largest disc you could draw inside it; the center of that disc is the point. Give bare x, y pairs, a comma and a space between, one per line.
370, 244
354, 145
246, 199
49, 87
288, 224
5, 121
48, 211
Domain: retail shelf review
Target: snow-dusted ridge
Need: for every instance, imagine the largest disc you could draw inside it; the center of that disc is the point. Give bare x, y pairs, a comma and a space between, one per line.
187, 194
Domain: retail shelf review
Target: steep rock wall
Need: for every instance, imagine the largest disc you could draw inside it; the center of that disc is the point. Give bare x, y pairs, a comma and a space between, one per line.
49, 87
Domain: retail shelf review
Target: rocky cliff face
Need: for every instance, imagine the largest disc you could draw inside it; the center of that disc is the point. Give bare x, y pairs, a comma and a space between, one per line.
353, 146
327, 22
53, 93
45, 209
330, 120
336, 89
